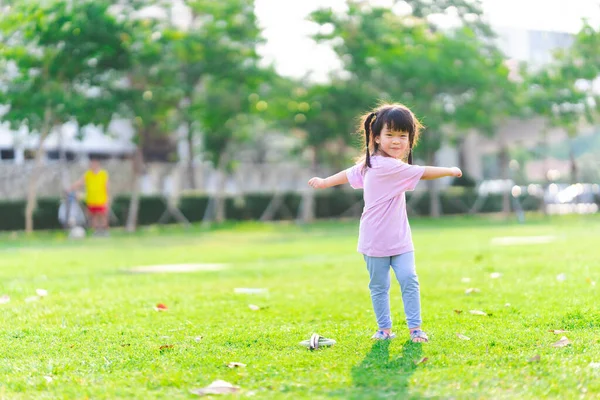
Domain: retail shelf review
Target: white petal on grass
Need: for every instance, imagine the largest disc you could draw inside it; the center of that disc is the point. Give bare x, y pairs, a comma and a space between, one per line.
253, 307
41, 292
563, 342
472, 290
4, 299
507, 305
250, 290
48, 378
463, 337
477, 312
217, 387
495, 275
561, 277
198, 339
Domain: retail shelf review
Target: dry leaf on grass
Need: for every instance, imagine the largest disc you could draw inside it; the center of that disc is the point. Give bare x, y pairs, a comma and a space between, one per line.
563, 342
458, 311
477, 312
472, 290
421, 361
4, 299
463, 337
126, 345
535, 358
161, 307
166, 346
235, 365
557, 331
217, 387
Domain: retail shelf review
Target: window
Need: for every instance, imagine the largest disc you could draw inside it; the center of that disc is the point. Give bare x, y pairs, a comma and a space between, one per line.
7, 154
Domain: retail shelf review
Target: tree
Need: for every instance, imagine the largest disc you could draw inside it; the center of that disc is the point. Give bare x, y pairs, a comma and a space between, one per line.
55, 60
562, 91
438, 73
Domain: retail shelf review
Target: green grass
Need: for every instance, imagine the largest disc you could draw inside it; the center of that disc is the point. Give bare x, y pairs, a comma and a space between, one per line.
97, 334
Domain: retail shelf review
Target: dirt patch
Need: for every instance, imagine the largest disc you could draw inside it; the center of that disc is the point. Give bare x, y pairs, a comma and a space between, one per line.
176, 268
521, 240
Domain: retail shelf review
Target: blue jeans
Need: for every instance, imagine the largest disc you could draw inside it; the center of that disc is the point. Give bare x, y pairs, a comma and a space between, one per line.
379, 285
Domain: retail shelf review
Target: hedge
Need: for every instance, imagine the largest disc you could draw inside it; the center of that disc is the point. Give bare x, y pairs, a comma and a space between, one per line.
328, 204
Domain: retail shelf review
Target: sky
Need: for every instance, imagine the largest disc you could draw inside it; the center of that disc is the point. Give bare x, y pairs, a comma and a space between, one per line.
294, 53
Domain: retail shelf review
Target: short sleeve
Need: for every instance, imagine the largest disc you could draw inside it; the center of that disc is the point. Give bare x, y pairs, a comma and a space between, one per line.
355, 176
401, 177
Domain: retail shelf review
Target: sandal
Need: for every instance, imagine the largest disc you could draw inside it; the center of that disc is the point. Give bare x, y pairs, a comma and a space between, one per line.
381, 335
419, 334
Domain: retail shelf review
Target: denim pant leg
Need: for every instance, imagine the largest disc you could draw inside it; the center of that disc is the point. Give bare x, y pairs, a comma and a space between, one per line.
404, 268
379, 285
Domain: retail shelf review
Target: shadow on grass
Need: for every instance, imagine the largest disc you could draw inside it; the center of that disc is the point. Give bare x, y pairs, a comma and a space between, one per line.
378, 376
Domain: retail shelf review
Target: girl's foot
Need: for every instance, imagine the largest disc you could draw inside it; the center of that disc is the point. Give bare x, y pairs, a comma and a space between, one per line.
418, 336
382, 335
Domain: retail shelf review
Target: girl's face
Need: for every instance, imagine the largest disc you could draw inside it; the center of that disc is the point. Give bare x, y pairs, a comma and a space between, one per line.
393, 143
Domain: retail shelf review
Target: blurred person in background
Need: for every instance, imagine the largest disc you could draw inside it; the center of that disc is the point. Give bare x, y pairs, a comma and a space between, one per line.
96, 182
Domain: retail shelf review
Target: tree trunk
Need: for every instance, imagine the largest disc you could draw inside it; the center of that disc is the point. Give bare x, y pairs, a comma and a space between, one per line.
573, 161
215, 210
137, 163
31, 204
504, 175
307, 206
191, 172
435, 206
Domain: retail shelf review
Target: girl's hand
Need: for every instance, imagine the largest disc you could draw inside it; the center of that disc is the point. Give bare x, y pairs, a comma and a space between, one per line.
456, 172
317, 183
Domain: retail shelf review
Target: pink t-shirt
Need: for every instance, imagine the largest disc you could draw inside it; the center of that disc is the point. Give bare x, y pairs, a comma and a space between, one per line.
384, 229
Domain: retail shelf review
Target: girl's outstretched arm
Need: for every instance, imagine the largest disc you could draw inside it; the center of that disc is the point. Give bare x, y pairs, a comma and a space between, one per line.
440, 172
338, 179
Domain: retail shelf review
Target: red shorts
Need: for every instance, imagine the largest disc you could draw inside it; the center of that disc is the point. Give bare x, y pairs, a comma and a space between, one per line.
97, 210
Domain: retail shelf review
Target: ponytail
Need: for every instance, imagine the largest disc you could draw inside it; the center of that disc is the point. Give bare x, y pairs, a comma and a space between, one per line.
368, 122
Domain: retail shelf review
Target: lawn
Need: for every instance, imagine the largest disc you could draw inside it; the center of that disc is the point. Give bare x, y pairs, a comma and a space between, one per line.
97, 334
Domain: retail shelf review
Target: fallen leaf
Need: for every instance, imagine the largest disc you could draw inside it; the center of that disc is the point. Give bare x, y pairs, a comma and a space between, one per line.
535, 358
463, 337
472, 290
563, 342
4, 299
458, 311
166, 346
254, 307
161, 307
217, 387
594, 365
235, 364
48, 378
198, 339
41, 292
421, 361
477, 312
561, 277
557, 331
495, 275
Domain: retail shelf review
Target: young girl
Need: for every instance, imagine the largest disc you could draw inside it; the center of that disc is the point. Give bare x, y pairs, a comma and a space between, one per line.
385, 173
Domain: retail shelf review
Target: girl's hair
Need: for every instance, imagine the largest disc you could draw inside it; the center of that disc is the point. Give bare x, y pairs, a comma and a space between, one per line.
396, 117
